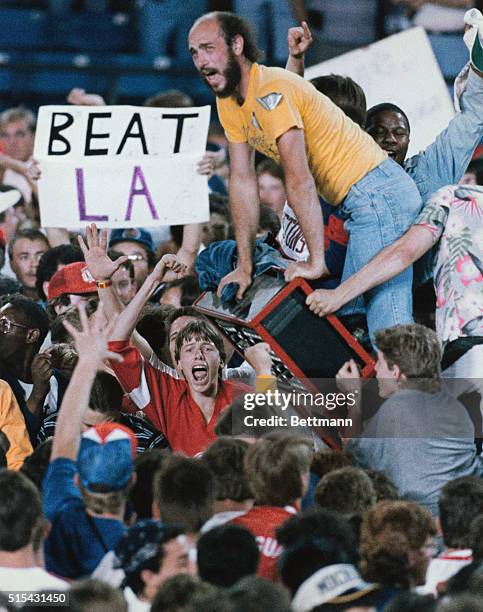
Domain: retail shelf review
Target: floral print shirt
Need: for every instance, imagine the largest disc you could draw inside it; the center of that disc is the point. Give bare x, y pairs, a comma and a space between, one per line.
454, 215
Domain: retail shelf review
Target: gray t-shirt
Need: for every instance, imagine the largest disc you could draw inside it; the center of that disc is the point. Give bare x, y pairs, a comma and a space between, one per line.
422, 441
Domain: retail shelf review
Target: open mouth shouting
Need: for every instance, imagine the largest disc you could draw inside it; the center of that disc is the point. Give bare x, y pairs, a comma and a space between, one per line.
210, 75
200, 373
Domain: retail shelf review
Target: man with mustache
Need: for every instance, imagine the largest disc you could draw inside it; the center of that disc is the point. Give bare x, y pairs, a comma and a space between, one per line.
321, 151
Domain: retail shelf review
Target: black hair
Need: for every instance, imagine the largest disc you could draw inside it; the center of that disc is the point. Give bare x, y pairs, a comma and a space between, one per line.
49, 262
152, 326
106, 395
385, 106
9, 285
184, 492
141, 494
226, 554
344, 93
233, 25
311, 541
31, 313
460, 501
35, 465
20, 511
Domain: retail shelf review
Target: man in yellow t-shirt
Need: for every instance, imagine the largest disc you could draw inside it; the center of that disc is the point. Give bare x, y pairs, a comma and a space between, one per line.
321, 151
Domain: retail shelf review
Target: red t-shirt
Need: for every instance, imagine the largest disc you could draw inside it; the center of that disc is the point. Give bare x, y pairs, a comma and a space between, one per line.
167, 402
262, 521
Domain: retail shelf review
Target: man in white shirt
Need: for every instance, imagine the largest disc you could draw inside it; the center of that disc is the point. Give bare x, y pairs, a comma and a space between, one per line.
22, 531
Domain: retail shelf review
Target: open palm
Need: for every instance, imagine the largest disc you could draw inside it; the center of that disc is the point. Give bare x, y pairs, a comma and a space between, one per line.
95, 254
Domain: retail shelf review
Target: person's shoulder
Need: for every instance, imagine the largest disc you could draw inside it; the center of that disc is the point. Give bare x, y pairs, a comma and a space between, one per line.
271, 74
279, 80
51, 581
4, 386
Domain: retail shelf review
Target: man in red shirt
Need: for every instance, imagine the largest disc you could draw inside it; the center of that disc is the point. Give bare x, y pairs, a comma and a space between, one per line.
186, 411
278, 472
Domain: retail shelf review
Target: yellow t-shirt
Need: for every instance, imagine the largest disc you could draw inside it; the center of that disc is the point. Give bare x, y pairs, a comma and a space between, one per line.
339, 152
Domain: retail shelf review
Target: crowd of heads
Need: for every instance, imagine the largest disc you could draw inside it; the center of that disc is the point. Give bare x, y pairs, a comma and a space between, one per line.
278, 521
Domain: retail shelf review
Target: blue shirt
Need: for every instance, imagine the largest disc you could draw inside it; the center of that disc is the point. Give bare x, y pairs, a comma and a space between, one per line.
77, 541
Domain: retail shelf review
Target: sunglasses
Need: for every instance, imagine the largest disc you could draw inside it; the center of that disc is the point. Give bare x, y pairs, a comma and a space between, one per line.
6, 326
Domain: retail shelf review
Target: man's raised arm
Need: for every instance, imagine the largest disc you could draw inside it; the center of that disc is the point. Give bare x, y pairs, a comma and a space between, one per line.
299, 40
303, 198
245, 212
385, 265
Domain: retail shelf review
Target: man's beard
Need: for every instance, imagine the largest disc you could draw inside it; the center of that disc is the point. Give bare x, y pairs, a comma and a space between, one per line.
232, 75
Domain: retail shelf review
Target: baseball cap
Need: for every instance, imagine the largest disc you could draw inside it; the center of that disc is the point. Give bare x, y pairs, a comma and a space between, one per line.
72, 278
132, 234
106, 457
334, 584
141, 543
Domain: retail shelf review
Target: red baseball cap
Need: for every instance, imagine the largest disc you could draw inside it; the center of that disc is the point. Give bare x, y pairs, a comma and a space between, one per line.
72, 278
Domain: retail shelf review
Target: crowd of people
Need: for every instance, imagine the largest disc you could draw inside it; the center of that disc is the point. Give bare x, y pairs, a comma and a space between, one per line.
125, 483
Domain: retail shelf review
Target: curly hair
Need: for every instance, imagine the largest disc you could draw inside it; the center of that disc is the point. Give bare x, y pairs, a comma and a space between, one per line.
390, 531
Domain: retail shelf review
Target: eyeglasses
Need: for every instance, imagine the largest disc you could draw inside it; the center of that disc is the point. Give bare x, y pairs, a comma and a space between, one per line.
136, 257
6, 325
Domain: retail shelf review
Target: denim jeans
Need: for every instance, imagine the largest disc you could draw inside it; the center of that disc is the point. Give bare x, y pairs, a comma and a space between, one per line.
378, 210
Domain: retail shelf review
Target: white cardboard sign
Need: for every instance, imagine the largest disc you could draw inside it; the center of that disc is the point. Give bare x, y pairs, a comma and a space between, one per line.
400, 69
121, 166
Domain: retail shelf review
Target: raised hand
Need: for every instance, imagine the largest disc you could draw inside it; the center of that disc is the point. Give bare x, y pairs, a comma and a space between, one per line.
299, 40
79, 97
95, 254
168, 262
259, 357
91, 341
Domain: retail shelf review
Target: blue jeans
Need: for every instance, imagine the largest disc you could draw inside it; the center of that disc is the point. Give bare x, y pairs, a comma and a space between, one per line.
378, 210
